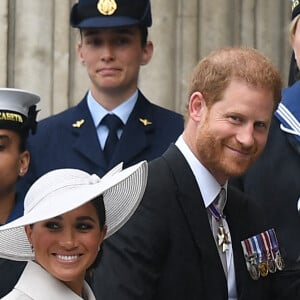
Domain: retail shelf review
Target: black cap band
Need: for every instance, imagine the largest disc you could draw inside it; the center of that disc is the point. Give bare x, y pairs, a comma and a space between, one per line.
13, 120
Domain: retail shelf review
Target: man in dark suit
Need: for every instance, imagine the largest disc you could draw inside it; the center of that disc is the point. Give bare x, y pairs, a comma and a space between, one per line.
168, 249
113, 46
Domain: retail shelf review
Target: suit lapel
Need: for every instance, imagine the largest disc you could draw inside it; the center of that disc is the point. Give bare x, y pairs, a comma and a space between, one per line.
236, 226
134, 139
195, 212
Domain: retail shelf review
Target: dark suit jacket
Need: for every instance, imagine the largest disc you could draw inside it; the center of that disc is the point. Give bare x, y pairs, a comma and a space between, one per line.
167, 250
58, 144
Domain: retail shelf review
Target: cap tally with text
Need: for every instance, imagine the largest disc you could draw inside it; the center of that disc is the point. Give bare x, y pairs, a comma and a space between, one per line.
18, 110
295, 8
110, 13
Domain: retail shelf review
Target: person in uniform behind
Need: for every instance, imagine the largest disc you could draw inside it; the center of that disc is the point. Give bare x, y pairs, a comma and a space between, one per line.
17, 118
114, 122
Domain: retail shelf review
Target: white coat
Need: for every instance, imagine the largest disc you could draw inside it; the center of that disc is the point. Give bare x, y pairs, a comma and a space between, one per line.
36, 283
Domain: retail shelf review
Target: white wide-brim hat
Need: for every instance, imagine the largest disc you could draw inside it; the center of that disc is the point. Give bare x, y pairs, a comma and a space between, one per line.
60, 191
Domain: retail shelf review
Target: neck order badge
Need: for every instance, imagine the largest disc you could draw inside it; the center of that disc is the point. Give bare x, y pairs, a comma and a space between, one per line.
216, 210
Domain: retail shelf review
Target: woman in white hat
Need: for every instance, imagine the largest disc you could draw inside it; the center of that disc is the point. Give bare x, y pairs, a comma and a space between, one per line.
67, 214
17, 118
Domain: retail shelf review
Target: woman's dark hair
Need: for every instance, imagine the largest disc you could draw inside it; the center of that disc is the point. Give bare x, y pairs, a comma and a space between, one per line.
23, 139
144, 35
30, 124
100, 208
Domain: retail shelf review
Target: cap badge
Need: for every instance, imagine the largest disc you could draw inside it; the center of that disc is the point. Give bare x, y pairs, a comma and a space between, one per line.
295, 3
78, 123
107, 7
145, 122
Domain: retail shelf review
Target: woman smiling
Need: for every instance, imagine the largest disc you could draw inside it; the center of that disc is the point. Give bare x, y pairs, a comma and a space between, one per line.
68, 213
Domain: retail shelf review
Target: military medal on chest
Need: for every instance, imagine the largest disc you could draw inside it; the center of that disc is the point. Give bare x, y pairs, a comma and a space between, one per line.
223, 236
262, 254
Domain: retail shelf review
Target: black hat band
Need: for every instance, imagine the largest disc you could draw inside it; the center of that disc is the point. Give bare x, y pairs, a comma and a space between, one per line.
12, 120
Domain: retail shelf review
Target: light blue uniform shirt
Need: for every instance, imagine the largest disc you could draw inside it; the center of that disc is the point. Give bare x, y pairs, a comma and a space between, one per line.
98, 112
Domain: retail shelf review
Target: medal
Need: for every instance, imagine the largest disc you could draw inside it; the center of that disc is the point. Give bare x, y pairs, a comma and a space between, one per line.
223, 238
279, 261
270, 259
272, 266
254, 271
263, 268
275, 247
262, 254
251, 259
258, 248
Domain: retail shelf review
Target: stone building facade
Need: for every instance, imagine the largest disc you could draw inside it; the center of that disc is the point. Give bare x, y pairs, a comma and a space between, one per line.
38, 47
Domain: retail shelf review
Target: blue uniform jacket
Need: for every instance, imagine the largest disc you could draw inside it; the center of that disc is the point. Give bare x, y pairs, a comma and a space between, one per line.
69, 139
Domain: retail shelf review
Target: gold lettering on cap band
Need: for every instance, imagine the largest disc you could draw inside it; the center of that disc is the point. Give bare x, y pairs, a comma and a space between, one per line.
6, 116
107, 7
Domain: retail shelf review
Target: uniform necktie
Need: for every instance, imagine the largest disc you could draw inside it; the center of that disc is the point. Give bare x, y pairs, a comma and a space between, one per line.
219, 229
113, 123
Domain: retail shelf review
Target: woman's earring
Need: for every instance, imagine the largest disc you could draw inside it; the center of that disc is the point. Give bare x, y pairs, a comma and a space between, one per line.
32, 249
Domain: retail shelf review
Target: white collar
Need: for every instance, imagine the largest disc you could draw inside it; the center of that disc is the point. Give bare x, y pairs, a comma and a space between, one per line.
35, 280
